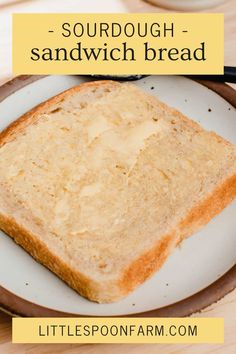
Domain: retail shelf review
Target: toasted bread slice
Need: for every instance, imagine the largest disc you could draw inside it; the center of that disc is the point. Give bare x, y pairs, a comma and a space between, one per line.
101, 182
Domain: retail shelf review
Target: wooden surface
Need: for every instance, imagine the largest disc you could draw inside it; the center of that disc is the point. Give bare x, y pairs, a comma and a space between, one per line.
224, 308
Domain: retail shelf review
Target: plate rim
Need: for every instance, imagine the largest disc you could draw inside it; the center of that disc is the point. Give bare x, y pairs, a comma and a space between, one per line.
18, 306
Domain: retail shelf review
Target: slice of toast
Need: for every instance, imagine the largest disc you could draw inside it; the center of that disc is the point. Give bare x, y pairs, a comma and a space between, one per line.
101, 182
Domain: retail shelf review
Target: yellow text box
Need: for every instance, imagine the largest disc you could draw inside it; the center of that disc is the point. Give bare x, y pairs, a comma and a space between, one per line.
118, 43
118, 330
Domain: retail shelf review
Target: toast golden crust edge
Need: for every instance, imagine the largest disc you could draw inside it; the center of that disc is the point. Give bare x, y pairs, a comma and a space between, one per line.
145, 265
31, 116
200, 215
139, 270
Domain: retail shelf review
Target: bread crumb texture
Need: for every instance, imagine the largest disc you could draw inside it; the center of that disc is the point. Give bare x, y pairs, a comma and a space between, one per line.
102, 174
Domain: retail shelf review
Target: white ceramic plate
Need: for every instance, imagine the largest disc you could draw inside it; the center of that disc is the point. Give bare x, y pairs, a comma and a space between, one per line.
198, 262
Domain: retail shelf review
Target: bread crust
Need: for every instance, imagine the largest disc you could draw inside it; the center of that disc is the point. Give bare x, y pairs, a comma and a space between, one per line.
31, 116
150, 262
140, 269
